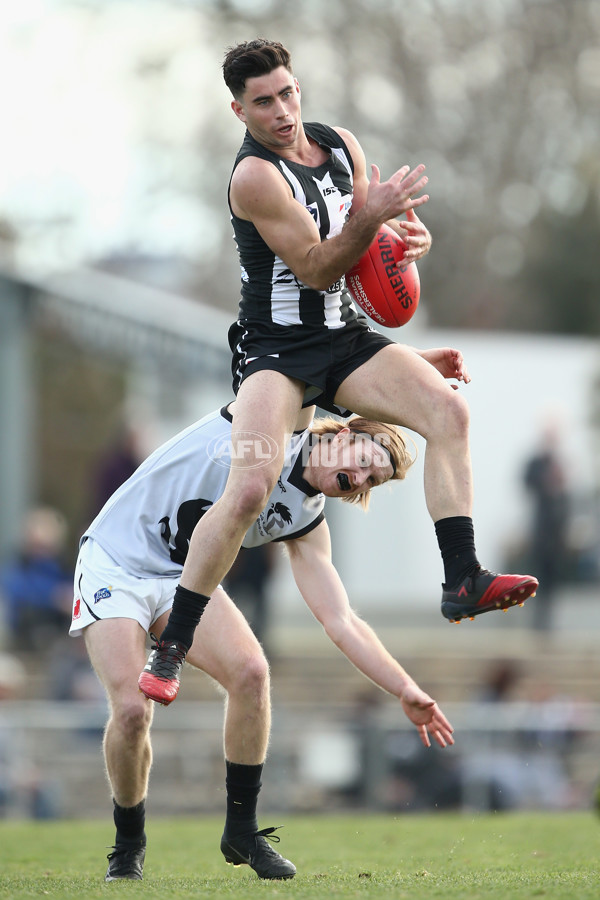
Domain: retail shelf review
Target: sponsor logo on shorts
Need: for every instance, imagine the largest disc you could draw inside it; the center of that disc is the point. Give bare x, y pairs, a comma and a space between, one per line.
77, 608
103, 594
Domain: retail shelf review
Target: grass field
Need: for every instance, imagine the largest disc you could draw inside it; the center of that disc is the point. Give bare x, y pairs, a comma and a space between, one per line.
444, 856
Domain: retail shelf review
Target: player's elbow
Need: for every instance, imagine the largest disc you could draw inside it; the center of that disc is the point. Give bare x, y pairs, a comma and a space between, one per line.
321, 283
315, 281
315, 275
337, 627
317, 285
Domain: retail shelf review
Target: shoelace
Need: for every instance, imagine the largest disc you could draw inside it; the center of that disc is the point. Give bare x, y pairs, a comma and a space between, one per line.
266, 849
168, 659
475, 574
123, 851
479, 572
269, 834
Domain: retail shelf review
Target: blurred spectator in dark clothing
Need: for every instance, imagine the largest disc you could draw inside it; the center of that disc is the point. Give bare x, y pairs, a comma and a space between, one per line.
247, 583
545, 479
36, 588
500, 681
119, 461
70, 675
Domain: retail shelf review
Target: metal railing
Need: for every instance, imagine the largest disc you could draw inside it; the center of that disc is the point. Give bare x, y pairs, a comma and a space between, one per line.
515, 755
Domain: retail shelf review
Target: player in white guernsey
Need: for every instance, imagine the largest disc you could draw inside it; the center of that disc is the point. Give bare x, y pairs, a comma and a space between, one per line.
129, 564
303, 211
147, 525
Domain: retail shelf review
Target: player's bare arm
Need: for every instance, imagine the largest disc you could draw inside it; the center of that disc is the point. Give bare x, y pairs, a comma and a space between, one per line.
259, 194
413, 232
326, 597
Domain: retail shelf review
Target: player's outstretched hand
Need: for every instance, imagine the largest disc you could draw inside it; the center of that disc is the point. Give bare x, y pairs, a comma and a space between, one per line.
427, 716
390, 199
449, 363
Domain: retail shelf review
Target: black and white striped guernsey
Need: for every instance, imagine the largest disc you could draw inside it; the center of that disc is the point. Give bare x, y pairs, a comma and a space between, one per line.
270, 291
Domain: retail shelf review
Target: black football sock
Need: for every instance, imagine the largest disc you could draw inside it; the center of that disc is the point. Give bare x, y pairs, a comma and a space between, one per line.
456, 541
130, 822
243, 785
185, 615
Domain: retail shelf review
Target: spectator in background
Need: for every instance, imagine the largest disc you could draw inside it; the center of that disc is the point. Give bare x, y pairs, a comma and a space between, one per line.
120, 460
23, 791
247, 582
500, 681
521, 732
545, 480
70, 674
35, 587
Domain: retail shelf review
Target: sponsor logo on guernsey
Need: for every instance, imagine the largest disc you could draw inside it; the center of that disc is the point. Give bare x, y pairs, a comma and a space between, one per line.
278, 515
103, 594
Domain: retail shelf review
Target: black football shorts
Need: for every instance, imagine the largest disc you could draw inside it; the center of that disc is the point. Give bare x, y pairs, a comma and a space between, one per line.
320, 357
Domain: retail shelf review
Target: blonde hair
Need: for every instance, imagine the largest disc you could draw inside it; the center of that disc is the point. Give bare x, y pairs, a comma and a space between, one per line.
387, 436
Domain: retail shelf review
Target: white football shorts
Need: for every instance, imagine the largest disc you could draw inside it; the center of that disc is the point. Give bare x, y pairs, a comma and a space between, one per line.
104, 590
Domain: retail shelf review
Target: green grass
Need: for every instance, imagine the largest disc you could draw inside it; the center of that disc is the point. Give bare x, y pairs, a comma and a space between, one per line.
510, 856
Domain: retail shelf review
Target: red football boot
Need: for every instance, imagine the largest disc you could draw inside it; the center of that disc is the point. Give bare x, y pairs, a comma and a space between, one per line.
160, 679
483, 591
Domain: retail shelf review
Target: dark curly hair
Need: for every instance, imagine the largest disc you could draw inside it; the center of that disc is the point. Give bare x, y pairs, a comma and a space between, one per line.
251, 59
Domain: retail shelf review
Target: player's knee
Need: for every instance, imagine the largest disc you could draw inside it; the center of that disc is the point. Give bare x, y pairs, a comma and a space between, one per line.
455, 417
252, 497
460, 413
132, 715
252, 676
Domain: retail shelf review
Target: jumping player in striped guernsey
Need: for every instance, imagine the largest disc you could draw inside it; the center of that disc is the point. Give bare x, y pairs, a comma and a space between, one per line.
304, 210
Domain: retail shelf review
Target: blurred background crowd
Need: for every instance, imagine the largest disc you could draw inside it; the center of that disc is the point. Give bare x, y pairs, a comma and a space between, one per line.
118, 280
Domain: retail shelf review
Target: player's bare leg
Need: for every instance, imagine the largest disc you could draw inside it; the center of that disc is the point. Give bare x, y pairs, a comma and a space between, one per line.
267, 405
117, 649
398, 386
226, 649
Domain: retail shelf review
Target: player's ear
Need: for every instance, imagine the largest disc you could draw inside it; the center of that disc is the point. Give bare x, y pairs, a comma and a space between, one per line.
297, 84
238, 110
343, 432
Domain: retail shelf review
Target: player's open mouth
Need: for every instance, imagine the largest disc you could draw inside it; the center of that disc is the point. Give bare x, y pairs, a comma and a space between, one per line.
343, 482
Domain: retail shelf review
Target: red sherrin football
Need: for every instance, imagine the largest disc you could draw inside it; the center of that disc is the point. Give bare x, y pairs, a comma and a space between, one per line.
388, 294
